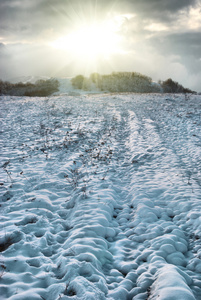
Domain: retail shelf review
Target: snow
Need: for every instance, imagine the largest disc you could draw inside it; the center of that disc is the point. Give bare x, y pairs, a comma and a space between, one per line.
26, 79
66, 88
100, 197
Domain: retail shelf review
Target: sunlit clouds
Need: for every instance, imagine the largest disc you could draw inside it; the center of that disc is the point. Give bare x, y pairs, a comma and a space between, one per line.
91, 41
159, 38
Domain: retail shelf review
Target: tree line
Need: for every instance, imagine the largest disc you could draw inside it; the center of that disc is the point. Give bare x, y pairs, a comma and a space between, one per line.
116, 82
127, 82
41, 88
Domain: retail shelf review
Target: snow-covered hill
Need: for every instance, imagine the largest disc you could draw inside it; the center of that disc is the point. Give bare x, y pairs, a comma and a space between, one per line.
100, 197
25, 79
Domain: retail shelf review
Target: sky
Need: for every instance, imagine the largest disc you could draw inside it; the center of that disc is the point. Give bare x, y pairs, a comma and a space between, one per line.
63, 38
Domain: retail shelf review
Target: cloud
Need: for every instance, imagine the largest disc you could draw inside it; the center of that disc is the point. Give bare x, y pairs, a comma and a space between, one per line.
2, 48
25, 19
187, 43
184, 47
165, 11
28, 20
157, 35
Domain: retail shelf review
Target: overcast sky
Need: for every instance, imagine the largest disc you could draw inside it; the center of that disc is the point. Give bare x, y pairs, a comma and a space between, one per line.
160, 38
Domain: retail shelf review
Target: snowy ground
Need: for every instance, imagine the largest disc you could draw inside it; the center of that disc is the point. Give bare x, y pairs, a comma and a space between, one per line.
100, 197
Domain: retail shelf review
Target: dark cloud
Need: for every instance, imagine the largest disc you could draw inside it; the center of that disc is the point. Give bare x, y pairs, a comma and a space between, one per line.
186, 43
25, 18
158, 10
185, 47
162, 5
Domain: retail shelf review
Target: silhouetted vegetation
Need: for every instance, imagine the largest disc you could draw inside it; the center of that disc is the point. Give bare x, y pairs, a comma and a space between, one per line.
41, 88
122, 82
170, 86
116, 82
77, 82
126, 82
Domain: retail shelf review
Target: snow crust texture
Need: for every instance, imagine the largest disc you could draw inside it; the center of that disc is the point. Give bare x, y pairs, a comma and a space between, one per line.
100, 197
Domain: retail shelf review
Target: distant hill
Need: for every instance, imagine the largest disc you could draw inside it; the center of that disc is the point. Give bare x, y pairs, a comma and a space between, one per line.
27, 79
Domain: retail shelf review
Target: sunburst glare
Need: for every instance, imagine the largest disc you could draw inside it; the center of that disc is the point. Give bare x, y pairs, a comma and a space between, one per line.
92, 41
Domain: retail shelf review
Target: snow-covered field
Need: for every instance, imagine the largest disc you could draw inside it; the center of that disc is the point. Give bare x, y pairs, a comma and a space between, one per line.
100, 197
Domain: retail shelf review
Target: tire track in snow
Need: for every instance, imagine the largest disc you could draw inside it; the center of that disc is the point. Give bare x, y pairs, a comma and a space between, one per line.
170, 237
107, 196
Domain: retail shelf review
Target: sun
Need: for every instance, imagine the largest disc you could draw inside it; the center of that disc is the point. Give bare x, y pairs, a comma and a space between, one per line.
91, 41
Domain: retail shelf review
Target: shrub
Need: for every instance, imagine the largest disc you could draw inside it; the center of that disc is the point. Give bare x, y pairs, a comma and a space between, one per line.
41, 88
77, 82
170, 86
125, 82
